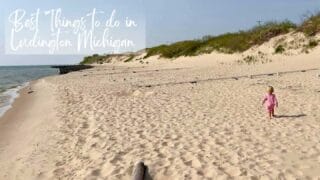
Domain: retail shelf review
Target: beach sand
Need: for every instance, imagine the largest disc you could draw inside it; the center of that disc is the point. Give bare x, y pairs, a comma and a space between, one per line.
192, 118
25, 133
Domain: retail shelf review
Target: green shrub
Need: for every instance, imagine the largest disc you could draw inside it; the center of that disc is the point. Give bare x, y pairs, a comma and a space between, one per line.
313, 43
249, 60
93, 59
98, 59
279, 49
130, 58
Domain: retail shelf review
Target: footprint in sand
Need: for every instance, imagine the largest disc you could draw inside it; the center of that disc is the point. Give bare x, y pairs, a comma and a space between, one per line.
96, 172
147, 94
136, 93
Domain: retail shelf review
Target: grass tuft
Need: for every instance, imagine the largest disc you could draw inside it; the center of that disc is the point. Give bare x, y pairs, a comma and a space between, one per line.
130, 58
279, 49
311, 25
313, 44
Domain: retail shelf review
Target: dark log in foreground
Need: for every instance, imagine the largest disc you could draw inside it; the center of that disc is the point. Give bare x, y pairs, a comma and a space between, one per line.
139, 171
70, 68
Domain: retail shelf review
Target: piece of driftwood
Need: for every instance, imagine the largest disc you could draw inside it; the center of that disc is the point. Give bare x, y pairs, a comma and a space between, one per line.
139, 171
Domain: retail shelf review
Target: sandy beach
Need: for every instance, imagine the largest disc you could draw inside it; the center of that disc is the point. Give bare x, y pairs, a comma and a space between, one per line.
161, 90
25, 131
192, 118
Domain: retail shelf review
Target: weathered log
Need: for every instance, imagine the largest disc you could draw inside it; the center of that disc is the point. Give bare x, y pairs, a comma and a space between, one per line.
139, 171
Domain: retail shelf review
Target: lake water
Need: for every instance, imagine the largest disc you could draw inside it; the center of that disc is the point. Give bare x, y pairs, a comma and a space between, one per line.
13, 78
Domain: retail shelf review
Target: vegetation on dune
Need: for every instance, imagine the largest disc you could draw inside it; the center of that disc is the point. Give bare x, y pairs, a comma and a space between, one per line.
183, 48
130, 58
260, 57
239, 41
313, 43
249, 60
226, 43
94, 59
279, 49
100, 59
311, 26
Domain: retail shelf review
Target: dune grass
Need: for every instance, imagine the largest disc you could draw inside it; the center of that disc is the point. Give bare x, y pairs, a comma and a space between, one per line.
311, 26
279, 49
94, 59
227, 43
130, 58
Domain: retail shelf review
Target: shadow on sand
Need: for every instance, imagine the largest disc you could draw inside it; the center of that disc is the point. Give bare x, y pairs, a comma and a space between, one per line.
291, 116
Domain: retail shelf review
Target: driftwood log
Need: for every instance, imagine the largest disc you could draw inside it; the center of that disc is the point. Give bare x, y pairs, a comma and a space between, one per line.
139, 171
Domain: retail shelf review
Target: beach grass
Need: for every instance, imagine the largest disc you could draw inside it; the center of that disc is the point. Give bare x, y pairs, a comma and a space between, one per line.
229, 43
226, 43
279, 49
311, 26
93, 59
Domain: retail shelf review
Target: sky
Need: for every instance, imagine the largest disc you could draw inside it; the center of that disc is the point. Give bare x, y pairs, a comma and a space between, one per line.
165, 21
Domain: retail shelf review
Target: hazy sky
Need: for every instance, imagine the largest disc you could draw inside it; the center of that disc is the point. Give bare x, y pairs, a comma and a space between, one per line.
166, 20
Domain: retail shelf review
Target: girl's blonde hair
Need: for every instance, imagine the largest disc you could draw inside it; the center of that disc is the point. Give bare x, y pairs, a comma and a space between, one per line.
270, 89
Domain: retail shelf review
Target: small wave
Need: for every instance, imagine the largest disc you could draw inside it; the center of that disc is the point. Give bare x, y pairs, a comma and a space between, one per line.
7, 97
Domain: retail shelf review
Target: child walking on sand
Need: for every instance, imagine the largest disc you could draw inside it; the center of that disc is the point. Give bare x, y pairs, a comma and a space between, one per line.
270, 101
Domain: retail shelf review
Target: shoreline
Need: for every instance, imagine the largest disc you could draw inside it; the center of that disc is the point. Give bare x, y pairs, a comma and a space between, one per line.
19, 77
13, 94
23, 127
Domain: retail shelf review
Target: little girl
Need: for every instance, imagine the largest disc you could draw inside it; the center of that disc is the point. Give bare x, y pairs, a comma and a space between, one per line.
270, 100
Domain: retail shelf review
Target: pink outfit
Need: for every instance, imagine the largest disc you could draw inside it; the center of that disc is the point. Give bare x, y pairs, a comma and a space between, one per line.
270, 100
